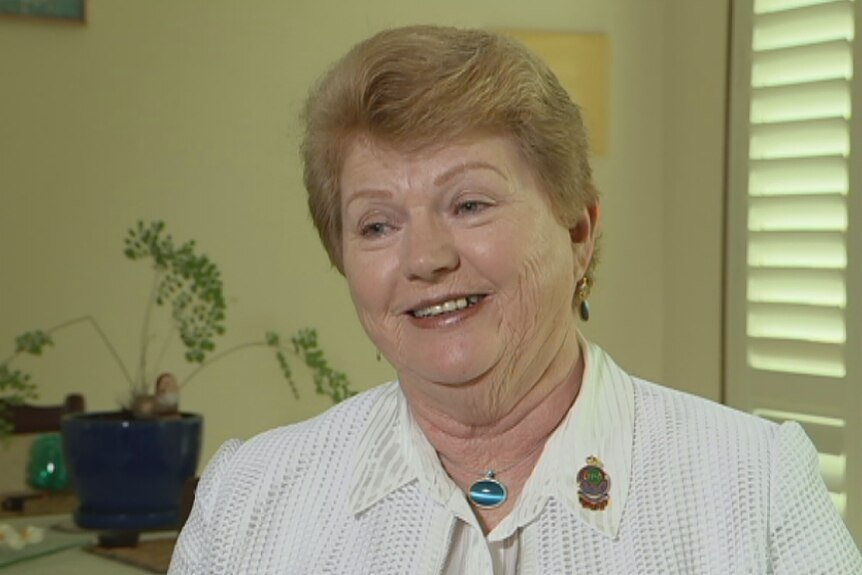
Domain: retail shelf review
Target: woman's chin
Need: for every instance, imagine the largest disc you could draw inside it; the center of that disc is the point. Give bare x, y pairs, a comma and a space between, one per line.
461, 372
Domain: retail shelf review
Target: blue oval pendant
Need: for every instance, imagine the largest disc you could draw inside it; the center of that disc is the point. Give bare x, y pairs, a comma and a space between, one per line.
488, 493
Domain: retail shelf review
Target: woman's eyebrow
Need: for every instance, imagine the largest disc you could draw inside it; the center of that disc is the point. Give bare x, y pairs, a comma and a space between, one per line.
367, 193
465, 167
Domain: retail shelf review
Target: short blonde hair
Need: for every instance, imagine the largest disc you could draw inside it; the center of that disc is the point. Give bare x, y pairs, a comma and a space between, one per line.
424, 85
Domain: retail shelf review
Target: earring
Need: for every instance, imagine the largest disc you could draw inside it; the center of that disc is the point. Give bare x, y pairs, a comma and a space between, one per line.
582, 293
378, 356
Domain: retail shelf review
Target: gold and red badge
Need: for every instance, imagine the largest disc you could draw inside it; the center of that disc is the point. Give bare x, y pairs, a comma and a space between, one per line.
594, 485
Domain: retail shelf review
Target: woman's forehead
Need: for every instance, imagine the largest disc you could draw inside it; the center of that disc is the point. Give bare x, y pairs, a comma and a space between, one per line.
369, 163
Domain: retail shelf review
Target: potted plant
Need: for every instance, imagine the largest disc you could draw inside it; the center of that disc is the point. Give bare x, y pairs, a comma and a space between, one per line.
129, 466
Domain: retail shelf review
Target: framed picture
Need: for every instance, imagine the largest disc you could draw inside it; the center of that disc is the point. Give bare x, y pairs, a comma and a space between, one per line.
68, 10
582, 62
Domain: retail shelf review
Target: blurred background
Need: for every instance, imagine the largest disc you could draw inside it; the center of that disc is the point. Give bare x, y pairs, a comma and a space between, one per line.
188, 112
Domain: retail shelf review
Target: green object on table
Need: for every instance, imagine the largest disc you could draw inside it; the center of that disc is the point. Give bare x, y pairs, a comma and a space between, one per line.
46, 469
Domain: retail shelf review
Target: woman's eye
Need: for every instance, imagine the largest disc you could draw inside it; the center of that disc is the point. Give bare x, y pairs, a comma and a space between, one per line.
373, 230
471, 207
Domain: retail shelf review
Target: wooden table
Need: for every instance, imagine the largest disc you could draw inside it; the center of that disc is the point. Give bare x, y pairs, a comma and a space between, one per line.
73, 560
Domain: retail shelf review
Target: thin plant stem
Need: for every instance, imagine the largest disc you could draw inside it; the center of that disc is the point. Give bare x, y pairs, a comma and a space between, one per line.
95, 325
165, 345
145, 334
219, 356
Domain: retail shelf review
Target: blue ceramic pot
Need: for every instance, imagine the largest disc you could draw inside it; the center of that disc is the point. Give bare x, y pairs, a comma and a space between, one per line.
129, 474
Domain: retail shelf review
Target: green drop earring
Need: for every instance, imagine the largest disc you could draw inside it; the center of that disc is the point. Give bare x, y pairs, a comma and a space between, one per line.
582, 294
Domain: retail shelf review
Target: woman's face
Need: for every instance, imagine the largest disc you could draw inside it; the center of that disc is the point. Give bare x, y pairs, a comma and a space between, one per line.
456, 264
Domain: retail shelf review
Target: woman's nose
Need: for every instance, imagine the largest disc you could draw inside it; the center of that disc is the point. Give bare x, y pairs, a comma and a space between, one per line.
429, 249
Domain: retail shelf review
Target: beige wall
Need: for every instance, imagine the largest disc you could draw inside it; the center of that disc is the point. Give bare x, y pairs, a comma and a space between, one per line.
187, 111
693, 103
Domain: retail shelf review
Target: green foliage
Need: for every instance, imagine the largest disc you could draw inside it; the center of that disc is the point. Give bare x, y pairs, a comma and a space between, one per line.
16, 387
327, 381
189, 283
33, 342
190, 286
273, 340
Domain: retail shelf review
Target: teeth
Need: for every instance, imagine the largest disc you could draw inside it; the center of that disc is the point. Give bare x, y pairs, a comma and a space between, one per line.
448, 306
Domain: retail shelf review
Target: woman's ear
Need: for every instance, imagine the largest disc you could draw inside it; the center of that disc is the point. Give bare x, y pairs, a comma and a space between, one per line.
584, 234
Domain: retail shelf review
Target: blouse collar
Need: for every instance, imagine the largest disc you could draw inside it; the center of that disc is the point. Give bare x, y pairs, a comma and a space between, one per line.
597, 431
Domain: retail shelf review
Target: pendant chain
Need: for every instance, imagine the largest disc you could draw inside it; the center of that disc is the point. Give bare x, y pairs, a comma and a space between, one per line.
494, 472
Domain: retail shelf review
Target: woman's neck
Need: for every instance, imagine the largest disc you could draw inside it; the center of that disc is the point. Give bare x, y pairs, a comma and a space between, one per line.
516, 408
510, 444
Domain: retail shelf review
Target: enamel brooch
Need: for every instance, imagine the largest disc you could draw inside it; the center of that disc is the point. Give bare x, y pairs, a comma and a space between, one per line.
594, 485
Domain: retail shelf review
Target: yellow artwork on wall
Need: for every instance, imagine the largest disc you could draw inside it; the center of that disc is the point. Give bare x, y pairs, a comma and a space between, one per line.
582, 62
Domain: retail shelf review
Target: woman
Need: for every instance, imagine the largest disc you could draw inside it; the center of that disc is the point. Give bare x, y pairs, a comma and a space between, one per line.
448, 177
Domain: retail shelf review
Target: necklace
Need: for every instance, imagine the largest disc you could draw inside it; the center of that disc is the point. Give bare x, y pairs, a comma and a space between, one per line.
489, 492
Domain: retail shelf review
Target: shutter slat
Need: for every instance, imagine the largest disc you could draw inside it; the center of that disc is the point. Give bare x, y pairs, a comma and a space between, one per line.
827, 61
781, 213
827, 433
823, 175
797, 249
839, 500
808, 323
803, 25
833, 468
792, 392
765, 6
795, 286
829, 137
789, 356
827, 99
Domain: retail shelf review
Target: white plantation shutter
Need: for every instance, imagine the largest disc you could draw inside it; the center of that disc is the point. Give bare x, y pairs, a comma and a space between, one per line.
794, 263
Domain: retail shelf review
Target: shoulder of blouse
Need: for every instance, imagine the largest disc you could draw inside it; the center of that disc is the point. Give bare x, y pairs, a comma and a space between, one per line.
241, 474
805, 532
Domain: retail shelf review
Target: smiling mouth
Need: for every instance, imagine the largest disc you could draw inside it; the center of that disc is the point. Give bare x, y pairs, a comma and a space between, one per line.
450, 306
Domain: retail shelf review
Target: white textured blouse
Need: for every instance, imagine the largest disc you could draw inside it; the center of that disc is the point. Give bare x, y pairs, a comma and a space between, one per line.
600, 424
695, 488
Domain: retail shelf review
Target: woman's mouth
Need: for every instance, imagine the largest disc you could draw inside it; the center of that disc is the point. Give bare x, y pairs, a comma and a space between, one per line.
445, 307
